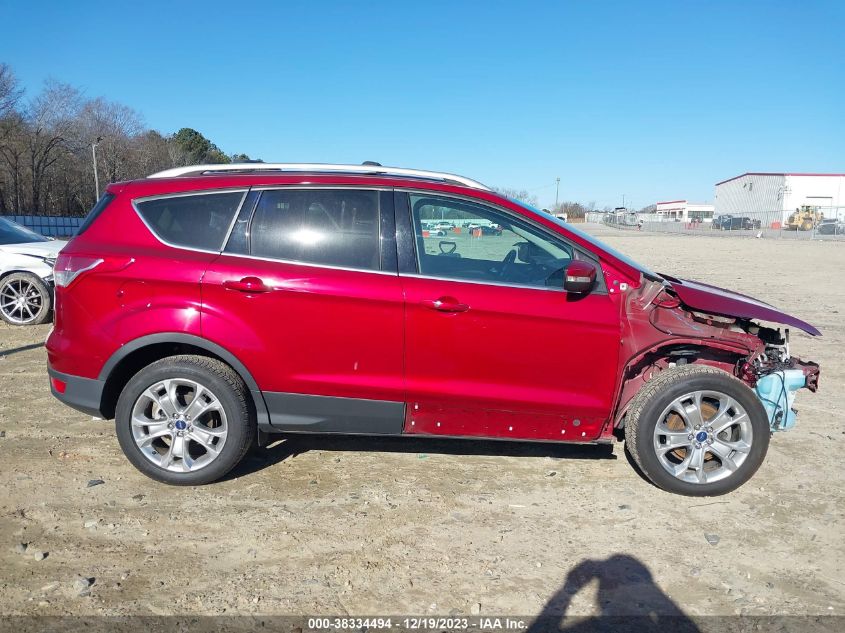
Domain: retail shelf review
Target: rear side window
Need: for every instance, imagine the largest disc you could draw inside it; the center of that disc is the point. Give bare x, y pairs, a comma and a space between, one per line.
94, 213
194, 221
329, 227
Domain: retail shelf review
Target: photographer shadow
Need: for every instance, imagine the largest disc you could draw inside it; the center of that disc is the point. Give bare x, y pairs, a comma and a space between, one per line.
628, 600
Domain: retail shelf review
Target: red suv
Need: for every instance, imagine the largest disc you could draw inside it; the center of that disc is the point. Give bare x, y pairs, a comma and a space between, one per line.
206, 307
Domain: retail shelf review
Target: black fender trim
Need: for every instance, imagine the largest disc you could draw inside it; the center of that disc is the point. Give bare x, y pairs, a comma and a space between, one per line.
301, 413
228, 357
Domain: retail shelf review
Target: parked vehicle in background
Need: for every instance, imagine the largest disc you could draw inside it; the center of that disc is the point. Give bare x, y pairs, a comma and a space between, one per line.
486, 229
831, 226
804, 218
26, 274
208, 306
735, 223
490, 229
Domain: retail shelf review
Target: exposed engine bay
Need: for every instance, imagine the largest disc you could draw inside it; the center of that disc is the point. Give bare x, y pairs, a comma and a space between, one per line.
776, 375
664, 331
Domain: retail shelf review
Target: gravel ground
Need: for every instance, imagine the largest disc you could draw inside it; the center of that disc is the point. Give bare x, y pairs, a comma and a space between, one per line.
363, 526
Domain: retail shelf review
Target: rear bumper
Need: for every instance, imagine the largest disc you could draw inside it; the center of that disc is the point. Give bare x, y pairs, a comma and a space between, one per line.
83, 394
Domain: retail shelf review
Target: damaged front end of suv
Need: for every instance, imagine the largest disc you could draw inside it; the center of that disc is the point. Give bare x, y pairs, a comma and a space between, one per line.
674, 322
704, 384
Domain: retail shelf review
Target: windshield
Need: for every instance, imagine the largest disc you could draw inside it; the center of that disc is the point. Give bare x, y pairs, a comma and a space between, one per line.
592, 240
12, 233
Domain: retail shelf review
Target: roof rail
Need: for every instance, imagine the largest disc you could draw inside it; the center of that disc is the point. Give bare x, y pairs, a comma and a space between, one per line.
200, 170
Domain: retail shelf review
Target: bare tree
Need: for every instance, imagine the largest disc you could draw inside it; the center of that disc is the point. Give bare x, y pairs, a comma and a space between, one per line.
51, 117
12, 153
10, 93
153, 152
114, 128
45, 147
518, 194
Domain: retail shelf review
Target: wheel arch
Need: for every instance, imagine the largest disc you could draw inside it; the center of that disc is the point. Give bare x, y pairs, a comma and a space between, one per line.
139, 353
641, 369
685, 381
21, 269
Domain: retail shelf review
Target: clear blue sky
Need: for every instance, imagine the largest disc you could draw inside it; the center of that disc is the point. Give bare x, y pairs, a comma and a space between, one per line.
656, 100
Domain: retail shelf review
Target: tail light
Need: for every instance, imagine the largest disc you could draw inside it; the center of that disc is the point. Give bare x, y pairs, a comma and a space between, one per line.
69, 267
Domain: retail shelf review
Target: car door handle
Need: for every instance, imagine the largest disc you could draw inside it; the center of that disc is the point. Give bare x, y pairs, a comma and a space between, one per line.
445, 304
252, 285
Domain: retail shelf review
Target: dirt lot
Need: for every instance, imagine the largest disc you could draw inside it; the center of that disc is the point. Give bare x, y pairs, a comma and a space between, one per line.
361, 526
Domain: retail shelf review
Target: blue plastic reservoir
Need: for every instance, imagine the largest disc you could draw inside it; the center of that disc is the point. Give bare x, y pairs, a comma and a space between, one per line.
777, 393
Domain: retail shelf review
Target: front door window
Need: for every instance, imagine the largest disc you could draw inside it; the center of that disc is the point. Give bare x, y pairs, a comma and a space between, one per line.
463, 240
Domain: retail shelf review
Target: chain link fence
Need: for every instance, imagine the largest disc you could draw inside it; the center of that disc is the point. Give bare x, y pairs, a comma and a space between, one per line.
814, 223
820, 224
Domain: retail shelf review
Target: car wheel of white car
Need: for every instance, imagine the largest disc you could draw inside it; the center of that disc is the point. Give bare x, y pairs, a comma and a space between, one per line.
24, 299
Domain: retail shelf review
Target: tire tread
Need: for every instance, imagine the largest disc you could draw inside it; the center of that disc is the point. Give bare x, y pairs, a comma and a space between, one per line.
665, 380
245, 413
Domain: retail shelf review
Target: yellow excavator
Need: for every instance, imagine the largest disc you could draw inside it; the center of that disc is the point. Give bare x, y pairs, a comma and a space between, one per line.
805, 218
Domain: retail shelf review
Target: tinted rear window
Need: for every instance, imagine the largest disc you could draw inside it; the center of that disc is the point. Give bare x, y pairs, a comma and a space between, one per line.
94, 213
194, 221
328, 227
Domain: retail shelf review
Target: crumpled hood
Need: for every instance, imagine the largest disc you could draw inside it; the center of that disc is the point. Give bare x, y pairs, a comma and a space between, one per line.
50, 248
715, 300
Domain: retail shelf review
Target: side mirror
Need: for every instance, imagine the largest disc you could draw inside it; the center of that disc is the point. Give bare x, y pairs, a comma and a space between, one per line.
580, 276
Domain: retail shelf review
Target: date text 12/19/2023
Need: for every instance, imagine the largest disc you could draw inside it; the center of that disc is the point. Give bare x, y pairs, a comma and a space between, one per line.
417, 623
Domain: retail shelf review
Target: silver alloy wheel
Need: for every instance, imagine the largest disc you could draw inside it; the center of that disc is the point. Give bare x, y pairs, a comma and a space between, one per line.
179, 425
703, 437
20, 301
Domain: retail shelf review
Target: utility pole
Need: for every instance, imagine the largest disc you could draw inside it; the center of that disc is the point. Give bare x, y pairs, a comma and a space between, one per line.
557, 191
96, 175
623, 201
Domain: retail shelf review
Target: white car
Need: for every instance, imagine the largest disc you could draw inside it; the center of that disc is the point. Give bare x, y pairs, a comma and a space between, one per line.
26, 274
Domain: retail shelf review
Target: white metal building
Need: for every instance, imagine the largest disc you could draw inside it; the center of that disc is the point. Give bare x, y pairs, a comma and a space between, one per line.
683, 211
757, 194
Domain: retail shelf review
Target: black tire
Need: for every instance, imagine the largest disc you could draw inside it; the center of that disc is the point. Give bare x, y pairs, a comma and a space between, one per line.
648, 405
230, 391
39, 298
